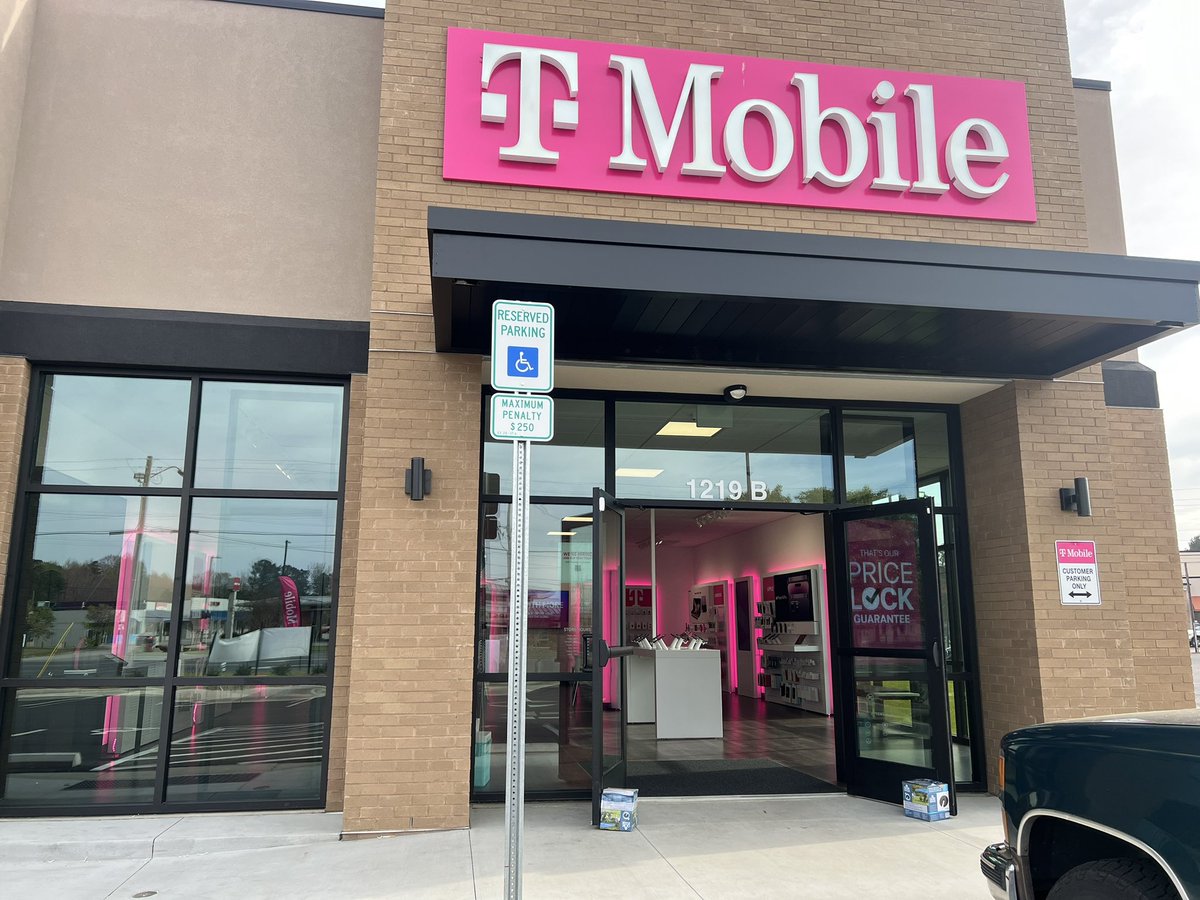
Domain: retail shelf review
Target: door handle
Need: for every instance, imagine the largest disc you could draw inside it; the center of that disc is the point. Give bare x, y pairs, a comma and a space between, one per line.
936, 647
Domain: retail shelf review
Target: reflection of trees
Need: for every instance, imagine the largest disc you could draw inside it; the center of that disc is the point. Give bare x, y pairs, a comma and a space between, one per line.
46, 582
76, 584
39, 623
259, 603
863, 496
99, 618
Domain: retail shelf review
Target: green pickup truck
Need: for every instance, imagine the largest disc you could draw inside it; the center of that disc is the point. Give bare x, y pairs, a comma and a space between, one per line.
1100, 809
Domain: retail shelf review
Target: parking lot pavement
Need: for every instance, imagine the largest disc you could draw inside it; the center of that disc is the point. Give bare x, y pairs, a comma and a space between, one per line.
829, 846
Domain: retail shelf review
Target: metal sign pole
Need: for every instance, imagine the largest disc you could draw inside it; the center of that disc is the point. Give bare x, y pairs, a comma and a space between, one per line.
518, 605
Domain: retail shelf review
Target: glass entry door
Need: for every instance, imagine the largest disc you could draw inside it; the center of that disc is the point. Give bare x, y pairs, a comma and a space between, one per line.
608, 681
893, 722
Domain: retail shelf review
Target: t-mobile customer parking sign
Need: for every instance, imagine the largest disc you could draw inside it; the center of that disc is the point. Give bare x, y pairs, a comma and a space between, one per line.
885, 586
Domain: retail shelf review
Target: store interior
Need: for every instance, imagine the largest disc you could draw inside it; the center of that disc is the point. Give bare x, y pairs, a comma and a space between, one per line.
755, 716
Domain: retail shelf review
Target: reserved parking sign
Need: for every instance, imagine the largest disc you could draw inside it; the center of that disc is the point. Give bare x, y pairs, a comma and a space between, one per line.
522, 346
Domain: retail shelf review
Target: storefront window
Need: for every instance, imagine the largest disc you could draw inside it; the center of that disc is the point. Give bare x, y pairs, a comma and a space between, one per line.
896, 456
256, 599
107, 589
894, 721
120, 432
94, 587
232, 741
722, 452
282, 437
80, 747
558, 736
568, 466
560, 590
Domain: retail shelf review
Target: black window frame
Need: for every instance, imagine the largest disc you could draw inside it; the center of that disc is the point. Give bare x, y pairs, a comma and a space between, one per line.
968, 678
27, 488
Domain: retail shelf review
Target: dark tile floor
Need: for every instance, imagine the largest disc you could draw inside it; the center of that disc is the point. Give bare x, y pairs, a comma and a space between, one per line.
754, 729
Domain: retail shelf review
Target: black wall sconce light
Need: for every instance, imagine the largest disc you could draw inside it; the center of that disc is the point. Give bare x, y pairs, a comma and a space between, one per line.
1078, 498
418, 481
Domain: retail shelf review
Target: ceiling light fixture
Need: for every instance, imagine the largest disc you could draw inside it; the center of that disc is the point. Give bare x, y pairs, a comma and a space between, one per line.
560, 533
577, 519
735, 392
637, 473
686, 429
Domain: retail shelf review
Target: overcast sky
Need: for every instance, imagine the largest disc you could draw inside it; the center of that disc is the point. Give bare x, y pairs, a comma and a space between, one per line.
1148, 50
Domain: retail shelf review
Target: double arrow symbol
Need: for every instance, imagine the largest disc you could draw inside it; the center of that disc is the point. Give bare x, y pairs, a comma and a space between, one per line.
1080, 594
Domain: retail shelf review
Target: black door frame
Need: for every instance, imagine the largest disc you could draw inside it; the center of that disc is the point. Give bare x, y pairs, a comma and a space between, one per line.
954, 506
603, 775
877, 778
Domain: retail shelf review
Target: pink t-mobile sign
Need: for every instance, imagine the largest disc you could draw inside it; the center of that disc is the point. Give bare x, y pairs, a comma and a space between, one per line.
582, 115
1078, 573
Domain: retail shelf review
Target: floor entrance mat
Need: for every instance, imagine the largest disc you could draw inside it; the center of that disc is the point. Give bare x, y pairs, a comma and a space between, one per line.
721, 777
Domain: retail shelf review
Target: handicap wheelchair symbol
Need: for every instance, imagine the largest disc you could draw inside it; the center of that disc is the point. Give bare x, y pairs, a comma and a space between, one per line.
523, 362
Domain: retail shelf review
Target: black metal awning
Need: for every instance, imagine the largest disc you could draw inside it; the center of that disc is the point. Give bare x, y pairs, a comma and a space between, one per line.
628, 292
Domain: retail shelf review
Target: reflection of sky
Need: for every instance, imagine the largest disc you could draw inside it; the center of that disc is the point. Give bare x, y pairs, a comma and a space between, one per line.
547, 553
893, 471
560, 470
555, 471
269, 436
83, 529
795, 472
101, 429
574, 471
241, 532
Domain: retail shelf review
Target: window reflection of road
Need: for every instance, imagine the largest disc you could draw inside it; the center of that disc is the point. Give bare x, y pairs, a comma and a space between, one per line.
225, 738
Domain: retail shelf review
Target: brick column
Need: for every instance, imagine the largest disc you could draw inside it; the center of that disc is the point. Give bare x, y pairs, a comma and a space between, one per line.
1141, 480
1041, 660
409, 728
14, 396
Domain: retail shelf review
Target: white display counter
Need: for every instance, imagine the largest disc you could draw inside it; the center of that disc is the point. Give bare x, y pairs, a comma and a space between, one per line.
686, 687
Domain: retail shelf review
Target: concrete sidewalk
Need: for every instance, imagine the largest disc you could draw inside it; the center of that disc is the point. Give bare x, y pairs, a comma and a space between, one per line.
826, 846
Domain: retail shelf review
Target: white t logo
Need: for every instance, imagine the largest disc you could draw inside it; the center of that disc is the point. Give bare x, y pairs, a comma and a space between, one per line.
494, 106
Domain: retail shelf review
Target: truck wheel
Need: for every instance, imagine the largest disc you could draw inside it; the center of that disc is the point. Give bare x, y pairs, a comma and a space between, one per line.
1114, 879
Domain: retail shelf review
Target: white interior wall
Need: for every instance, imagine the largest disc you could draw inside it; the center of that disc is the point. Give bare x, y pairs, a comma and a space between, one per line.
786, 544
793, 542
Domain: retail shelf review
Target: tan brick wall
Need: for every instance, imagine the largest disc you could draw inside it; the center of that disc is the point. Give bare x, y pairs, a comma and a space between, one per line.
1161, 661
351, 512
1010, 684
1041, 660
408, 731
1084, 651
14, 395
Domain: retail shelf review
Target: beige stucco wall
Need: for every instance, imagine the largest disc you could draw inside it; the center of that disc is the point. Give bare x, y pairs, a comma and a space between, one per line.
194, 155
16, 37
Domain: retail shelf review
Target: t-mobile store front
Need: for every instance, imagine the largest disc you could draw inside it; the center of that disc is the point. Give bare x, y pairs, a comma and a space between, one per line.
782, 556
832, 332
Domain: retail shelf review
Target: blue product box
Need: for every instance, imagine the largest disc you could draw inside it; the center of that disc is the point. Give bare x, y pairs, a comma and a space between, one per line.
926, 799
618, 809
